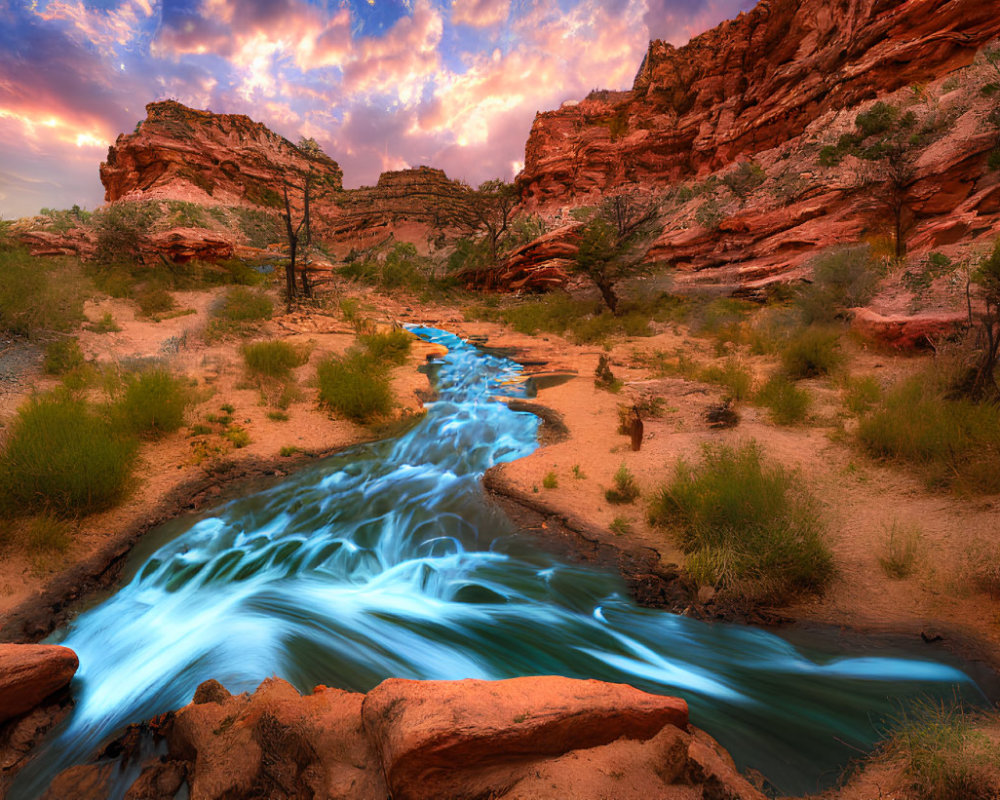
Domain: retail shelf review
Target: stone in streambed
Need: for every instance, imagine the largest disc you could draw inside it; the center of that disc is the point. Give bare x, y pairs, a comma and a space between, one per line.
31, 672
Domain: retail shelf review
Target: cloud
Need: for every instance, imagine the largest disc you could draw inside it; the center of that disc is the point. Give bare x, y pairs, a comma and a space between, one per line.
479, 13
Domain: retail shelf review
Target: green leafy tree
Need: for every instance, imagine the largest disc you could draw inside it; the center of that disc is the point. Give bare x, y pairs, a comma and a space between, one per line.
615, 241
987, 277
489, 210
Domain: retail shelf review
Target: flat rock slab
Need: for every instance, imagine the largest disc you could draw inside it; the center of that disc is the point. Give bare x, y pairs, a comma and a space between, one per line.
424, 730
31, 672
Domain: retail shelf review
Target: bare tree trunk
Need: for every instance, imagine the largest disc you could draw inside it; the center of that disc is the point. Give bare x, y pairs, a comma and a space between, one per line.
292, 242
607, 290
306, 286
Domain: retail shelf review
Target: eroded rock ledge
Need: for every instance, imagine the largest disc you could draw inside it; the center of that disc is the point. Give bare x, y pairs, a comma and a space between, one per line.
417, 740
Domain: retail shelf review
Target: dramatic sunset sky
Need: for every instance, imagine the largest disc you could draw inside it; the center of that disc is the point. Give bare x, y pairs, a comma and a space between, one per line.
380, 84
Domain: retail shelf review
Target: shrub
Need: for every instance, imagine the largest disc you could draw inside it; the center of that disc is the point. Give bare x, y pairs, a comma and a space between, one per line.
860, 394
39, 293
273, 359
550, 481
354, 387
106, 324
748, 528
625, 489
786, 401
237, 436
61, 356
813, 352
278, 416
388, 347
122, 231
877, 120
843, 278
747, 176
47, 533
732, 376
152, 403
238, 311
954, 443
620, 526
62, 458
944, 755
288, 451
901, 545
154, 301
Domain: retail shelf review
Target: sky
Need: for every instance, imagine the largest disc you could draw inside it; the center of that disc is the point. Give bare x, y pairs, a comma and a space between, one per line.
380, 84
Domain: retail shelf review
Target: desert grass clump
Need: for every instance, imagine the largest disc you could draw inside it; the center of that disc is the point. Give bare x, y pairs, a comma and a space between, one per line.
625, 489
747, 526
945, 754
46, 533
900, 548
550, 481
62, 356
955, 443
62, 457
391, 347
238, 311
40, 294
273, 358
787, 403
812, 353
843, 278
154, 301
732, 376
106, 324
354, 386
152, 403
860, 394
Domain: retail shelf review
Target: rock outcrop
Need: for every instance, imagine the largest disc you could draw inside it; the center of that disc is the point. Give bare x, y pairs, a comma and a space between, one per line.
29, 673
746, 86
185, 154
523, 738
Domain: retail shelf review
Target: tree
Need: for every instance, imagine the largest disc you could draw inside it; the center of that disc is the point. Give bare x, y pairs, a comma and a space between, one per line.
615, 241
489, 209
987, 277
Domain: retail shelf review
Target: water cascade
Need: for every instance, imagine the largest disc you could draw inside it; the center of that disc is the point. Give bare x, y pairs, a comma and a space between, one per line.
387, 561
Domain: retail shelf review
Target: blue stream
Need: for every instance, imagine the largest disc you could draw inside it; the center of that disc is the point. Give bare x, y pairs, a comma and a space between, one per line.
387, 561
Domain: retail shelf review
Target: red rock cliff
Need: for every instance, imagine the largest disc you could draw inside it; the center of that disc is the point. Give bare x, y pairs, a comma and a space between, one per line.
745, 86
182, 153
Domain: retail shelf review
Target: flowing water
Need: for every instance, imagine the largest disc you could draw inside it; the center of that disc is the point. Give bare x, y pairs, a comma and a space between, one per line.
387, 561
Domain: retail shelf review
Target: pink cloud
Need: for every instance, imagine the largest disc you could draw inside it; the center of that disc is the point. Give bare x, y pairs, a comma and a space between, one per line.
479, 13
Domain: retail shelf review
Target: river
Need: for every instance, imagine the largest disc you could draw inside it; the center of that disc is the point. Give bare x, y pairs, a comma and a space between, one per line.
387, 560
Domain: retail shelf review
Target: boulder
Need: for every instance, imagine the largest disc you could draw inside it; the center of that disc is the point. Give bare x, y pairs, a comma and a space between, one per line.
429, 732
29, 673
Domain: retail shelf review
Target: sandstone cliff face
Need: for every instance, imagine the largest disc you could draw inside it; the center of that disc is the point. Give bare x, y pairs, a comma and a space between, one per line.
182, 153
746, 86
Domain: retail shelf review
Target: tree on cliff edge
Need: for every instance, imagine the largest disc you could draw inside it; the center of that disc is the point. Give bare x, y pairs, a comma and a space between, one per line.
614, 242
489, 209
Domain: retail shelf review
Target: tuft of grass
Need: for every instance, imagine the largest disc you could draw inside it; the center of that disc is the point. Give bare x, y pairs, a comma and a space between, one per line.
955, 443
46, 533
278, 416
152, 403
40, 294
578, 472
550, 481
62, 356
746, 525
945, 756
237, 436
106, 324
354, 387
787, 403
61, 457
273, 358
239, 311
390, 347
154, 301
732, 376
900, 548
288, 451
625, 490
861, 393
813, 352
620, 526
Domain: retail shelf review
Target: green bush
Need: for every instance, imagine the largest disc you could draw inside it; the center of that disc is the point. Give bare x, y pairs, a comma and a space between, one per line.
955, 443
786, 401
63, 458
813, 352
238, 311
154, 301
61, 356
878, 119
550, 481
46, 533
123, 230
625, 490
152, 403
944, 754
40, 294
106, 324
843, 278
389, 347
746, 525
732, 376
273, 359
860, 394
354, 386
